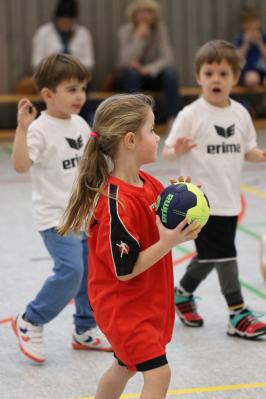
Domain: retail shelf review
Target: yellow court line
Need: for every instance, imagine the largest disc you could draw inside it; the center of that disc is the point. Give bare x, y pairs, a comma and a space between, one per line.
218, 388
254, 191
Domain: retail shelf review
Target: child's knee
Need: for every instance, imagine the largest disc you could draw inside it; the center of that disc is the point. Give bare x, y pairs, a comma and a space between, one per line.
158, 379
251, 78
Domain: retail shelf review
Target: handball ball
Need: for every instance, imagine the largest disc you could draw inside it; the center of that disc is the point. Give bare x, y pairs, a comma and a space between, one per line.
182, 200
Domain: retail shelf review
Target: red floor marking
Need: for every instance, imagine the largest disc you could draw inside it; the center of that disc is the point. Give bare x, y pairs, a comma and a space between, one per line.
7, 320
243, 209
177, 261
183, 258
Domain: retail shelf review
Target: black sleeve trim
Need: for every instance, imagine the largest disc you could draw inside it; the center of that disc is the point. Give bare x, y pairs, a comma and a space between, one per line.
125, 248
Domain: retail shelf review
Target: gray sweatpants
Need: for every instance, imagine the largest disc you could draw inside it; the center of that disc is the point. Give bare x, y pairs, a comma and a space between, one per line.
227, 272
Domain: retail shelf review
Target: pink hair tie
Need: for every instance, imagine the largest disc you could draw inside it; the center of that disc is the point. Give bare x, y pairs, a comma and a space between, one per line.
93, 134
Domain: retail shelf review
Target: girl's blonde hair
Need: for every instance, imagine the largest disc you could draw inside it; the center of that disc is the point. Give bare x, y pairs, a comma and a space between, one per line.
114, 118
139, 5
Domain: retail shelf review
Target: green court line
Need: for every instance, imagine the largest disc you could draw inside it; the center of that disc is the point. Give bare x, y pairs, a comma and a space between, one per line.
6, 149
247, 231
244, 284
181, 248
253, 289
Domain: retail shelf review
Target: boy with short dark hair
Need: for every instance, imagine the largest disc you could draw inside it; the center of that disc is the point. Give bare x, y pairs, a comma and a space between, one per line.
51, 147
213, 136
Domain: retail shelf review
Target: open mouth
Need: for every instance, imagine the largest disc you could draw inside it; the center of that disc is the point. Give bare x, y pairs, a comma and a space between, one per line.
216, 90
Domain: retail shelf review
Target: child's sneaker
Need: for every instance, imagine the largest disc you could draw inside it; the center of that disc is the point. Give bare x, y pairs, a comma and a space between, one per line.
186, 309
91, 339
245, 325
30, 339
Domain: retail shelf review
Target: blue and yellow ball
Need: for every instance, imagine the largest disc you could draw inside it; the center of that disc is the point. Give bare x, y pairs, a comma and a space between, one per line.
182, 200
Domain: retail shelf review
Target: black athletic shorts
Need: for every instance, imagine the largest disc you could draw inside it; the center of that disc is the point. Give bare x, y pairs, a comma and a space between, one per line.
216, 241
145, 366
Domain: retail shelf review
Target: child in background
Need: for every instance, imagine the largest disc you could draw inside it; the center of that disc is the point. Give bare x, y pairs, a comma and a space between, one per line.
51, 147
251, 44
131, 272
212, 137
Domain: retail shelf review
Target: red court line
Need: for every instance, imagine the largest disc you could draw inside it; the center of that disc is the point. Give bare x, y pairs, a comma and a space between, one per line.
177, 261
184, 258
7, 320
243, 208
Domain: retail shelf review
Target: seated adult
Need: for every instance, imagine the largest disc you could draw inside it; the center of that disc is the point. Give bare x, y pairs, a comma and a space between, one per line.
145, 55
63, 35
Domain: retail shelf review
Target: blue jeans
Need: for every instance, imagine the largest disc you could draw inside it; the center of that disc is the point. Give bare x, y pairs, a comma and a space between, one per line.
131, 81
69, 280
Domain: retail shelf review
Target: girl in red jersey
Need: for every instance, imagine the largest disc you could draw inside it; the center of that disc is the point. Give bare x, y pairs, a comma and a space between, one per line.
131, 273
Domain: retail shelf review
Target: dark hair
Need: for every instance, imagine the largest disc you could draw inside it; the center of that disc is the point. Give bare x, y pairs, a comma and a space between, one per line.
57, 68
66, 8
217, 51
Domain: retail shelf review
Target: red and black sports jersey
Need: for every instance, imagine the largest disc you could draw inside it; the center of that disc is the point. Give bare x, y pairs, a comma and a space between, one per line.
137, 316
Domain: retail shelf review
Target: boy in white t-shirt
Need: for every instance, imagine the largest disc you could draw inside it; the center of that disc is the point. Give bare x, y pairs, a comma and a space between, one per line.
50, 147
213, 136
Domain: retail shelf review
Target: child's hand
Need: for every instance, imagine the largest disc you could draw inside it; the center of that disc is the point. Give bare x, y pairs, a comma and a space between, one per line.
184, 144
263, 156
26, 113
258, 38
181, 180
183, 232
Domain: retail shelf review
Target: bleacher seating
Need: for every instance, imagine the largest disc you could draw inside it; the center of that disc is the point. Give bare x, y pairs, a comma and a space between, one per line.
101, 95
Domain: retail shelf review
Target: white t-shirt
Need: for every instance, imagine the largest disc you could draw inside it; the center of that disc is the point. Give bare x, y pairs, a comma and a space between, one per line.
46, 41
55, 147
223, 137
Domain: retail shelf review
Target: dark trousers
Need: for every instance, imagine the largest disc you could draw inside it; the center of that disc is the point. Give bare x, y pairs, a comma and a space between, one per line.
216, 250
227, 274
130, 81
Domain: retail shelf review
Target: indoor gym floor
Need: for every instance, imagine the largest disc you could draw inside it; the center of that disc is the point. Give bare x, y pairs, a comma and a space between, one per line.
205, 362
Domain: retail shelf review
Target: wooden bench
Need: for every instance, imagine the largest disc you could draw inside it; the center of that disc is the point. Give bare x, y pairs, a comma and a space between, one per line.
101, 95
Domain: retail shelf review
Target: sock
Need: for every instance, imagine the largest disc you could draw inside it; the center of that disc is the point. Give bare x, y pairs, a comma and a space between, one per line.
236, 309
180, 290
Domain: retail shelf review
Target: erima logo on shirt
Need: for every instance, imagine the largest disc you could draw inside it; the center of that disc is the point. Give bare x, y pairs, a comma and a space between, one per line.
76, 145
123, 248
230, 131
224, 147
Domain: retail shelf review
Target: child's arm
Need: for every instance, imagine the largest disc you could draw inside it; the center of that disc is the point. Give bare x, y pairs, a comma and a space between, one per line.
260, 42
183, 144
20, 157
168, 239
256, 155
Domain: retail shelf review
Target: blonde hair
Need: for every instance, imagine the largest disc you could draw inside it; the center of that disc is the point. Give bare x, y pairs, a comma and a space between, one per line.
138, 5
114, 118
217, 51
